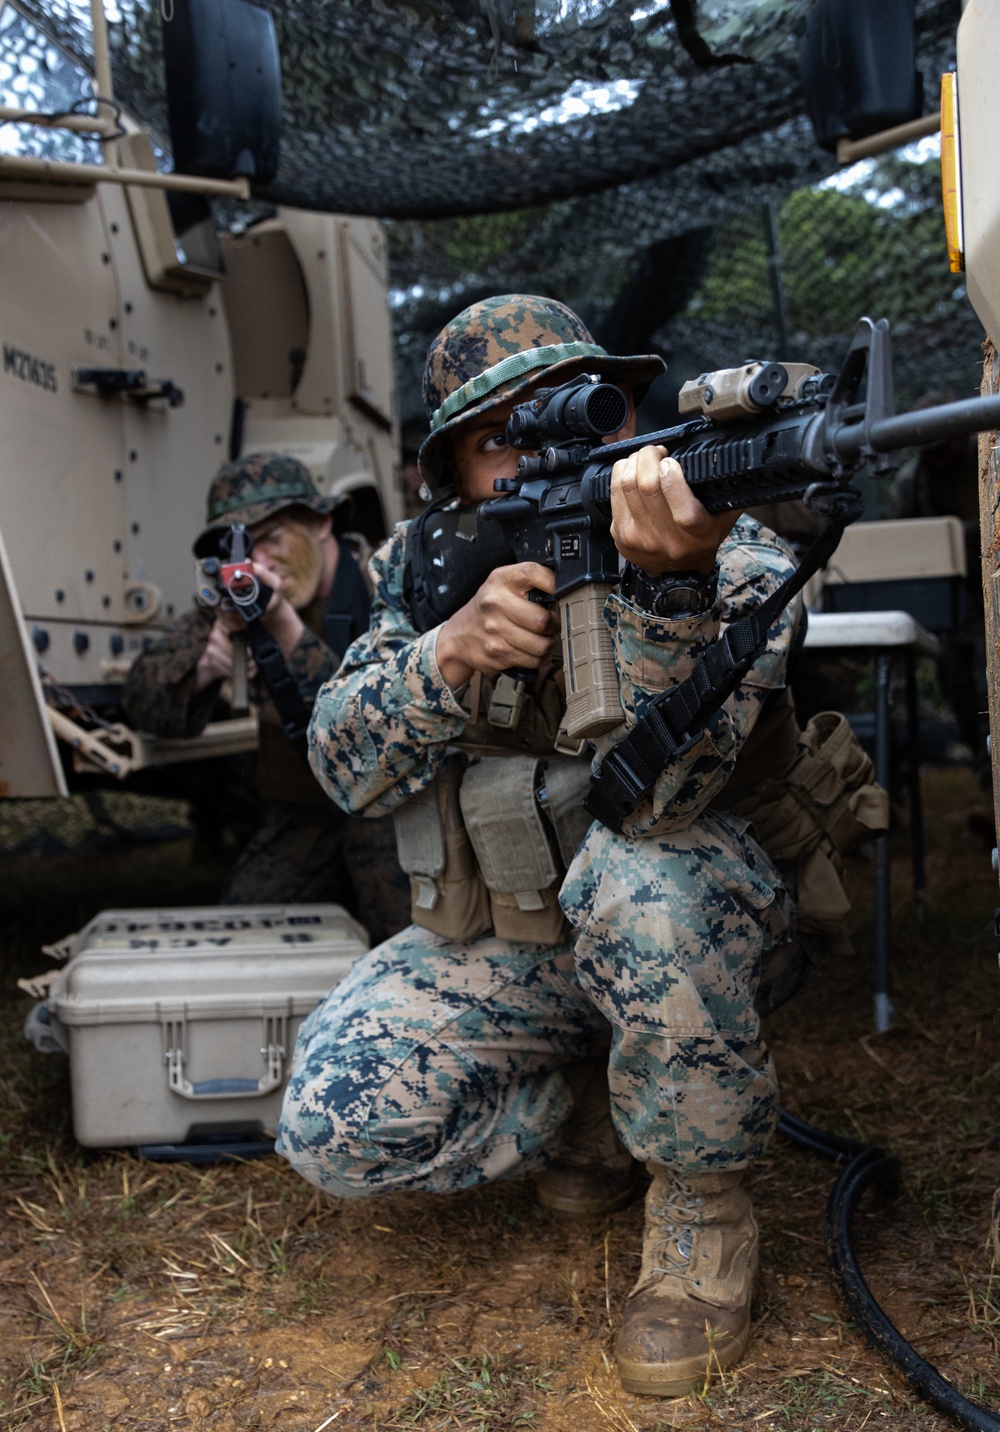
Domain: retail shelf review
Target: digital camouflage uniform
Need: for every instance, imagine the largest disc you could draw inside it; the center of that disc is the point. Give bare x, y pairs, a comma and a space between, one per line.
440, 1066
305, 848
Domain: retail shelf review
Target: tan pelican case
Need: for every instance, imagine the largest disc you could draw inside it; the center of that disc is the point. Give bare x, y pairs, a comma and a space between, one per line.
179, 1024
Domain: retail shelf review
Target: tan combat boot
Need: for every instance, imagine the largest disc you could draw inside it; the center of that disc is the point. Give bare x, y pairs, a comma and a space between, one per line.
689, 1313
591, 1171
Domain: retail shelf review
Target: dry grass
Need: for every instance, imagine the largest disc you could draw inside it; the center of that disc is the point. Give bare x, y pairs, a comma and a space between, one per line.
142, 1296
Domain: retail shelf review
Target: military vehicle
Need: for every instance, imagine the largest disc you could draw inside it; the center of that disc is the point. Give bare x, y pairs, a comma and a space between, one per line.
141, 347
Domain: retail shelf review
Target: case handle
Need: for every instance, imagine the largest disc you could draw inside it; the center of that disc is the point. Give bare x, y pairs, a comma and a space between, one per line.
273, 1050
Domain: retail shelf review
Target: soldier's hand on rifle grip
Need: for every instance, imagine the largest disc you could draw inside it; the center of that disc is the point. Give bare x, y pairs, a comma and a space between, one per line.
657, 522
216, 661
501, 627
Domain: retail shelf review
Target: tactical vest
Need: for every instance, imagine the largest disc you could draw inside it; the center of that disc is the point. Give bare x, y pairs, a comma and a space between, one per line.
487, 843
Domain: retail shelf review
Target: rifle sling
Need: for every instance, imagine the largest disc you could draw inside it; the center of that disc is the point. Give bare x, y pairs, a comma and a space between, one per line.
674, 720
293, 713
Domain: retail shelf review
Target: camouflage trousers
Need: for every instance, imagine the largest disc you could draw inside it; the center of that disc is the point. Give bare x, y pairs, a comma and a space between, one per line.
306, 853
437, 1066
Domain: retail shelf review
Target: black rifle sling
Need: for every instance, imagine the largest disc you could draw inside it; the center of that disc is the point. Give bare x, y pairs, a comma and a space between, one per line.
345, 617
348, 606
293, 713
674, 720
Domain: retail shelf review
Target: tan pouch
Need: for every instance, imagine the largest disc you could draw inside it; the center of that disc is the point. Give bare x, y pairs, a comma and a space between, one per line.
513, 846
817, 812
447, 893
566, 784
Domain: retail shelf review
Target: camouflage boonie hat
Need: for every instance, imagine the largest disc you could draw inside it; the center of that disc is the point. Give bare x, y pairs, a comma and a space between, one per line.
254, 487
502, 345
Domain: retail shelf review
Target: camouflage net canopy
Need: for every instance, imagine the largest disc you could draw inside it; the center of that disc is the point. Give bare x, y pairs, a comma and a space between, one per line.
646, 161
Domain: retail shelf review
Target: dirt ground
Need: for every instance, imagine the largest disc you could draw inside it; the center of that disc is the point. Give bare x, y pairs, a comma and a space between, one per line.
150, 1296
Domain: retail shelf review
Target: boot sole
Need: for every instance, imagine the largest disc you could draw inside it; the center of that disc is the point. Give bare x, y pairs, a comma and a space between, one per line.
584, 1207
677, 1379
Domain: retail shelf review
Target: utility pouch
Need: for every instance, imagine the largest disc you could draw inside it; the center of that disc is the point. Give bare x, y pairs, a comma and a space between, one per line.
823, 807
447, 893
566, 784
513, 846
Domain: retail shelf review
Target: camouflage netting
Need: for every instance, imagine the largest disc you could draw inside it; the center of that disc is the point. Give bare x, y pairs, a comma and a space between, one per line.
647, 161
439, 107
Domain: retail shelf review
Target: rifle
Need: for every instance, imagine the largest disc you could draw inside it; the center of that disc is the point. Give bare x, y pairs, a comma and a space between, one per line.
765, 432
231, 583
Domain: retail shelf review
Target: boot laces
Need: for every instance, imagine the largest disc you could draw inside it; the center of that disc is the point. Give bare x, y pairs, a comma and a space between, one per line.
677, 1215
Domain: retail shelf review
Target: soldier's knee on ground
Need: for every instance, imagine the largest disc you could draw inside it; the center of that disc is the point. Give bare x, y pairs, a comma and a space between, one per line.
356, 1123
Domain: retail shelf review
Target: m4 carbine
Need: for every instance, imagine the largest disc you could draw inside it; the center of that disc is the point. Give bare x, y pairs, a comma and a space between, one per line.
765, 432
230, 581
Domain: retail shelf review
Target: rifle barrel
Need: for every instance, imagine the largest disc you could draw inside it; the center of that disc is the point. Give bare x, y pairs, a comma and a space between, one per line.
925, 426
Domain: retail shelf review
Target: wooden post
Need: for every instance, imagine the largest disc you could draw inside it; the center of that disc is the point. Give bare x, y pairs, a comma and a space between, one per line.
989, 523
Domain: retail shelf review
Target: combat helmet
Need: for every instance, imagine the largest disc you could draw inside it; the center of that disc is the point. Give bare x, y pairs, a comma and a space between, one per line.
500, 346
252, 488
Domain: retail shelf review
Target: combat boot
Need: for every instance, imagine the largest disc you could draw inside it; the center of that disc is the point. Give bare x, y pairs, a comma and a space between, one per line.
591, 1171
689, 1313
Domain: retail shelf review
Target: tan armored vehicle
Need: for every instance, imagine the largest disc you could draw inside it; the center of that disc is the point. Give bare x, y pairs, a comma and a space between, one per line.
140, 349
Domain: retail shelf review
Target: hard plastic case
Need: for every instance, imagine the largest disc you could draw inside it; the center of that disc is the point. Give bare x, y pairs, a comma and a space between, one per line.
179, 1024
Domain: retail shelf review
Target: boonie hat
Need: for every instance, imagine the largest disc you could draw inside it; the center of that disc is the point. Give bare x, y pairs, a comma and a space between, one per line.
498, 347
254, 487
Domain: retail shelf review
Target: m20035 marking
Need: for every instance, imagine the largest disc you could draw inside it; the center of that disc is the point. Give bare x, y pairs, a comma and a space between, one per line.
28, 368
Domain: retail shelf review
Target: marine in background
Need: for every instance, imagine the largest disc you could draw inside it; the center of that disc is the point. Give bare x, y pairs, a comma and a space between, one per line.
305, 848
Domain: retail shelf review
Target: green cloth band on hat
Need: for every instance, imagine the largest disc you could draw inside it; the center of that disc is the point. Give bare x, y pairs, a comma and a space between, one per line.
507, 369
280, 490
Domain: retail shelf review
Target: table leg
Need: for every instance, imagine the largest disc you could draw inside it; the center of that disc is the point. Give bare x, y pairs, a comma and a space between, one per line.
913, 781
883, 908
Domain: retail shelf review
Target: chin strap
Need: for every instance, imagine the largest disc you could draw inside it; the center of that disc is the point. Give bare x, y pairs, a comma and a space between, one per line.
674, 720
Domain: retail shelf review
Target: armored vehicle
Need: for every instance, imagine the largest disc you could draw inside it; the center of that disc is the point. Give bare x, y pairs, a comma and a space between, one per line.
142, 347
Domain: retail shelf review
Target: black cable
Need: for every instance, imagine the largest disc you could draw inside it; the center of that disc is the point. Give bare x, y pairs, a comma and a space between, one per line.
867, 1164
829, 1146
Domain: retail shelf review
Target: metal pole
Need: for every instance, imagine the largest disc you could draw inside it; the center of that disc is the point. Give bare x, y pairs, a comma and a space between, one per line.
103, 86
849, 151
79, 123
913, 782
883, 906
62, 172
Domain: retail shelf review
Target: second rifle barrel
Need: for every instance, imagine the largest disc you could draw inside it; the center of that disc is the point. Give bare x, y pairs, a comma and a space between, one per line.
925, 426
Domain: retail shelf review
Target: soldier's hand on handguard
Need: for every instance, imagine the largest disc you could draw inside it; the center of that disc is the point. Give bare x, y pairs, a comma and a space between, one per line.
500, 627
657, 522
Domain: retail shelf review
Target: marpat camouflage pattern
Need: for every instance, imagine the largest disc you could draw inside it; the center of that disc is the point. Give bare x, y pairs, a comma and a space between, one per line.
439, 1066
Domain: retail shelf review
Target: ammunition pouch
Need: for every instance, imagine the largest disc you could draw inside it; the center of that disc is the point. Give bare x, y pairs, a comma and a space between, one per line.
822, 807
447, 893
820, 810
487, 843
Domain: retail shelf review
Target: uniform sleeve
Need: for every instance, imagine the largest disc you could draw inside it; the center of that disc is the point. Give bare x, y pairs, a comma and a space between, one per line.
654, 654
311, 663
381, 726
159, 695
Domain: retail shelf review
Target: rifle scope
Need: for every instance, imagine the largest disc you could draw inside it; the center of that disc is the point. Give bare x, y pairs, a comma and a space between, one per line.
584, 409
